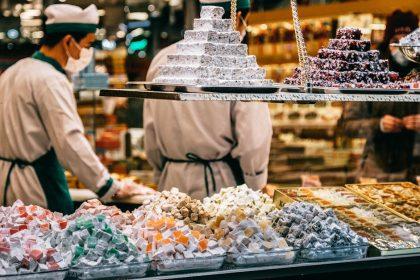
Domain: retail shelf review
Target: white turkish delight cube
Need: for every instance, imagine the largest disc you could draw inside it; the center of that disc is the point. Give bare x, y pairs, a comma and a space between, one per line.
222, 25
213, 37
212, 12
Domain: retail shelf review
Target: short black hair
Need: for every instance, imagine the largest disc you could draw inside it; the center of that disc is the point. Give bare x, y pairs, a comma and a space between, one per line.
51, 40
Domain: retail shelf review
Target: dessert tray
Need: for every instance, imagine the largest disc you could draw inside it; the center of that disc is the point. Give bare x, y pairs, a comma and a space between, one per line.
336, 90
165, 87
45, 275
170, 266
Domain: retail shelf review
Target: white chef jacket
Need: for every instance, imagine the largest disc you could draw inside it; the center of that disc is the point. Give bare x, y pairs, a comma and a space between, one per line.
210, 130
38, 112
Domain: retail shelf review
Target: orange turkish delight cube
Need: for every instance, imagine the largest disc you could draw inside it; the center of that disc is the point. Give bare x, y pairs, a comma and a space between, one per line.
166, 241
158, 237
202, 245
149, 247
182, 239
159, 223
196, 234
177, 234
170, 223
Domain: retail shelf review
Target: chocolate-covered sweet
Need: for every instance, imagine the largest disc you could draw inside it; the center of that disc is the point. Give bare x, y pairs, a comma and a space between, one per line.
348, 62
349, 33
347, 44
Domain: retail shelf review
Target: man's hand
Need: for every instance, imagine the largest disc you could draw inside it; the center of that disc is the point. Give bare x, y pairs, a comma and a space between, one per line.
390, 124
129, 189
412, 123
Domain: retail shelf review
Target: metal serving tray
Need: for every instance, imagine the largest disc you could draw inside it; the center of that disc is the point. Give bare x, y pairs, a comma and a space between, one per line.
281, 257
202, 89
334, 90
355, 189
135, 269
187, 265
333, 254
45, 275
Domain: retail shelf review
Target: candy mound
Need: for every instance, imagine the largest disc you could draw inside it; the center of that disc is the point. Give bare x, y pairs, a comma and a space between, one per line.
164, 238
176, 204
348, 62
212, 54
93, 241
305, 225
27, 241
95, 207
412, 39
238, 234
255, 204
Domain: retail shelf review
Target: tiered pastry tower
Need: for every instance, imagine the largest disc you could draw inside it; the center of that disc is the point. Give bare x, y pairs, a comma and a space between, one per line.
212, 55
348, 62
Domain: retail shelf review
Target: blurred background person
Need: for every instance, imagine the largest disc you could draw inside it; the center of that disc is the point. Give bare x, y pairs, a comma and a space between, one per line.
390, 129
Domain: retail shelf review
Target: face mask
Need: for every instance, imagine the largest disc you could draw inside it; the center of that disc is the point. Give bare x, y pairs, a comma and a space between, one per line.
76, 65
400, 58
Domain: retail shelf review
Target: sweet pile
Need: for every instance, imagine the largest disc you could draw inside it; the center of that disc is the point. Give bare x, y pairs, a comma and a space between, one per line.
239, 234
27, 239
348, 62
306, 225
95, 241
212, 54
164, 238
175, 204
255, 204
412, 39
95, 207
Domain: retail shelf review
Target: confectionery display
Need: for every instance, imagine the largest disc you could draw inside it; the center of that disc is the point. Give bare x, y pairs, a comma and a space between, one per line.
401, 197
212, 55
174, 233
255, 204
348, 62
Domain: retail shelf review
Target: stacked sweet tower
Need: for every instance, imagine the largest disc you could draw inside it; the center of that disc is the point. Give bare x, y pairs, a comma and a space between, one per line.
348, 62
212, 55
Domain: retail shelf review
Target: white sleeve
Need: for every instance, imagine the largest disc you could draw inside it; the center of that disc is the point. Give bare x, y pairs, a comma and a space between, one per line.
153, 153
253, 131
58, 111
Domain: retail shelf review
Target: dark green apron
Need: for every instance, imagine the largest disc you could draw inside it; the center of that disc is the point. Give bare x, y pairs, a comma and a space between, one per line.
47, 168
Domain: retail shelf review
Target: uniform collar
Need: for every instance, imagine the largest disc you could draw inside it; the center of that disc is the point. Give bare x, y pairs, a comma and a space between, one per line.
40, 56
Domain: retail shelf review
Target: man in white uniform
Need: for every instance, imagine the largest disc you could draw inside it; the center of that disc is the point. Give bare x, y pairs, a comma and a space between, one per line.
201, 147
40, 130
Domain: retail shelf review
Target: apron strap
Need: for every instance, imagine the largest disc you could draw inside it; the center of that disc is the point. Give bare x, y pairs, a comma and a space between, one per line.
14, 162
229, 160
